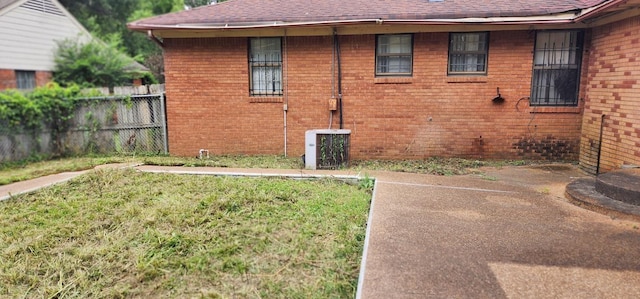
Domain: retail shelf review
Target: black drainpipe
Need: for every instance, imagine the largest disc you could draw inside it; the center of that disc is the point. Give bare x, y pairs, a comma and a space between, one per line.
600, 144
336, 42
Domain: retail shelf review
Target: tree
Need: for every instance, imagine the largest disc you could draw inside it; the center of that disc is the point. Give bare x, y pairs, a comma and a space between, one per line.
195, 3
106, 18
91, 63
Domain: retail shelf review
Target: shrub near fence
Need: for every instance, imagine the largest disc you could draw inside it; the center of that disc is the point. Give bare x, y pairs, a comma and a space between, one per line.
106, 124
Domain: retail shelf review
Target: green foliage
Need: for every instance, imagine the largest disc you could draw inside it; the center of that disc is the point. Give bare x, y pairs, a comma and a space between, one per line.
17, 110
196, 3
50, 105
367, 183
91, 63
105, 18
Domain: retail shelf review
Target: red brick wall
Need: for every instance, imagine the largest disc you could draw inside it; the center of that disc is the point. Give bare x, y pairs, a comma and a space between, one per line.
8, 78
613, 89
42, 78
207, 101
429, 114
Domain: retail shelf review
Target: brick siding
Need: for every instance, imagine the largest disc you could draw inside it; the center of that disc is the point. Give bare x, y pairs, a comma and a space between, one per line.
8, 78
429, 114
613, 89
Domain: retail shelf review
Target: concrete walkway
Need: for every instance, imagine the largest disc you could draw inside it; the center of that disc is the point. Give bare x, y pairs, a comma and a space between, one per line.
507, 233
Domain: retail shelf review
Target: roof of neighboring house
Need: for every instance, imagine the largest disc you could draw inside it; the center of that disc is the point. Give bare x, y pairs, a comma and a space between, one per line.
47, 23
255, 13
5, 3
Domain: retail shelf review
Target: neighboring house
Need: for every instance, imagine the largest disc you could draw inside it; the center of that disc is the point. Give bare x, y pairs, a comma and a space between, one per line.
409, 78
29, 30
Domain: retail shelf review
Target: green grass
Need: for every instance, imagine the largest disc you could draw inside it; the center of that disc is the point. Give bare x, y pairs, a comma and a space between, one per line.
121, 233
23, 170
433, 165
14, 172
231, 161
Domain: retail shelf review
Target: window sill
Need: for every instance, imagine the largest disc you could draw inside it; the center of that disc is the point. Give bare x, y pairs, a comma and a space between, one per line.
393, 80
467, 79
542, 109
258, 99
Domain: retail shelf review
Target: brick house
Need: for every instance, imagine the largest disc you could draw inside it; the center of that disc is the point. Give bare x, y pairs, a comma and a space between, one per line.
410, 78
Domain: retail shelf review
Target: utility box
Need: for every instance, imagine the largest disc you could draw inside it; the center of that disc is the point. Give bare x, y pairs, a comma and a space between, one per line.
327, 149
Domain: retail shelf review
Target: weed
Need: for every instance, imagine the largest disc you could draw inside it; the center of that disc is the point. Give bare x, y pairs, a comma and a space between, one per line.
488, 178
367, 183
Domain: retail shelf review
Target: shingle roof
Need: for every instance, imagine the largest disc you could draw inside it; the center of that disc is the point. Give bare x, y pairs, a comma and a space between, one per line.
287, 11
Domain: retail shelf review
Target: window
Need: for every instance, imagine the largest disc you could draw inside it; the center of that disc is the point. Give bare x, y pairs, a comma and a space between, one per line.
265, 66
468, 53
556, 68
26, 80
394, 55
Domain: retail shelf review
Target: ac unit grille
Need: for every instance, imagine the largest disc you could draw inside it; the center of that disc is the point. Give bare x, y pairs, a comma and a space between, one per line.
326, 148
332, 151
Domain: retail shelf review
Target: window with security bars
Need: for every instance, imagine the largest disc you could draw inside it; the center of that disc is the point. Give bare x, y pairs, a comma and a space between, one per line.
265, 64
556, 68
468, 53
25, 80
394, 55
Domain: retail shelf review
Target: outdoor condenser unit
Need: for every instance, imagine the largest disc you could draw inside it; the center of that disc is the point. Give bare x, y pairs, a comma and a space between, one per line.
326, 149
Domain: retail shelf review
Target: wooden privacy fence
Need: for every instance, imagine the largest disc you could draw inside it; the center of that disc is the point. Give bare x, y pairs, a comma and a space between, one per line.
110, 124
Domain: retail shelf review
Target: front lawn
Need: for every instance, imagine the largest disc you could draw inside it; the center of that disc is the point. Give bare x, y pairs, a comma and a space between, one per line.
122, 233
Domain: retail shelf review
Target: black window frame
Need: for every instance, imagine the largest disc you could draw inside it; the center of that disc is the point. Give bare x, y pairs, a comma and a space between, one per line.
378, 55
265, 92
541, 85
453, 52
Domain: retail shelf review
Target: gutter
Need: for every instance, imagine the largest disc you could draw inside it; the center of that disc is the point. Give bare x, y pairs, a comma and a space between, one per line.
568, 17
592, 11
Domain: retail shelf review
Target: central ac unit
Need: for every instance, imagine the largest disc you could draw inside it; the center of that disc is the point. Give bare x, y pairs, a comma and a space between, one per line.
326, 149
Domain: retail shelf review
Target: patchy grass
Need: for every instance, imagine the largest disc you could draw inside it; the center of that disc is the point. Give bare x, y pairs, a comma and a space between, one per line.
261, 161
20, 171
434, 165
121, 233
14, 172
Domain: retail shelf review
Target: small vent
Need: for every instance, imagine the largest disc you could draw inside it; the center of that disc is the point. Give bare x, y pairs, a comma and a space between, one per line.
45, 6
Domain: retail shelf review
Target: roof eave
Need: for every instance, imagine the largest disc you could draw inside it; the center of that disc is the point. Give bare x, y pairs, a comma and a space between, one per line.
562, 18
595, 11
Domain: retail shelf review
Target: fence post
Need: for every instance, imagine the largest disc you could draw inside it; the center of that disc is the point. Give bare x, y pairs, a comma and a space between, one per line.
163, 110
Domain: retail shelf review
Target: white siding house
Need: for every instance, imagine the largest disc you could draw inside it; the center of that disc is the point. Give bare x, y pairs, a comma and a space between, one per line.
29, 30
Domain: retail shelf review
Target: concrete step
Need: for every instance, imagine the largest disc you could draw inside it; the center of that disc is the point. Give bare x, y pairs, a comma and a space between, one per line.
583, 193
622, 185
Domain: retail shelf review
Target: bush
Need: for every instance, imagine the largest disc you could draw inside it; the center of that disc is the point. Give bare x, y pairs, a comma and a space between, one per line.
50, 105
93, 64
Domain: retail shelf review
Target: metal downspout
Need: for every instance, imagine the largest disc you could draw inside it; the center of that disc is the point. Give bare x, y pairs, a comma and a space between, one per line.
337, 49
285, 78
154, 38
